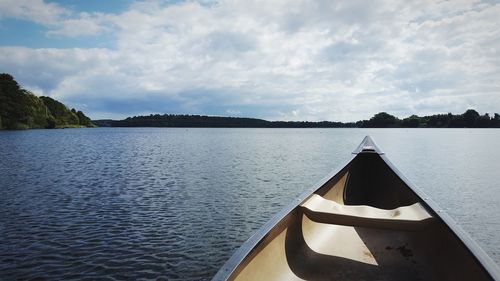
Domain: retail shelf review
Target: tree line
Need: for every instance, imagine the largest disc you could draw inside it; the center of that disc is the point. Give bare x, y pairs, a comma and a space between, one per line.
21, 109
175, 120
469, 119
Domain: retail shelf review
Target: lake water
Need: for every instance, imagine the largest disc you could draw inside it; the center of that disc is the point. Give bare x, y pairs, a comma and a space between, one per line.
174, 203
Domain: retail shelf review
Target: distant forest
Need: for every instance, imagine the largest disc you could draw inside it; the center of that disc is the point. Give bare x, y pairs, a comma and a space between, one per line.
469, 119
21, 109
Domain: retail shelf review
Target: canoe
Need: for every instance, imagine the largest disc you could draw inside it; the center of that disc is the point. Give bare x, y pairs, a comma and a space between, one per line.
365, 221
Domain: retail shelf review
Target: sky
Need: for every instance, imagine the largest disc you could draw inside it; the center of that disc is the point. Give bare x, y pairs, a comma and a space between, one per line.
277, 60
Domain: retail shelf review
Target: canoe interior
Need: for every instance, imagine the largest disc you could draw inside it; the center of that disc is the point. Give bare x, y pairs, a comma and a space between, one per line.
301, 248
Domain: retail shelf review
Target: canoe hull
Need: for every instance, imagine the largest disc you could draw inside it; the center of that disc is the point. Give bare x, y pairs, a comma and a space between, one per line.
296, 245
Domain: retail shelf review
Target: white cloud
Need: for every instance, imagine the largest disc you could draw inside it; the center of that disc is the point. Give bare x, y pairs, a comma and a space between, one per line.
60, 21
85, 25
296, 60
32, 10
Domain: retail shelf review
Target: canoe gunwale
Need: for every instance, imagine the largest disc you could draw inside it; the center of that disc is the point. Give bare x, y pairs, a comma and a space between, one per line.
480, 255
366, 146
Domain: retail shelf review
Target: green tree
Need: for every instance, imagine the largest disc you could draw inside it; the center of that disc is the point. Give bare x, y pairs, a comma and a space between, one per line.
495, 121
63, 116
10, 109
383, 120
21, 109
84, 120
51, 122
483, 121
411, 122
470, 118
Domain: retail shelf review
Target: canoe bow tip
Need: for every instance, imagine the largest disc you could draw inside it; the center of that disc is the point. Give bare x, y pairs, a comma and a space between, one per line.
367, 146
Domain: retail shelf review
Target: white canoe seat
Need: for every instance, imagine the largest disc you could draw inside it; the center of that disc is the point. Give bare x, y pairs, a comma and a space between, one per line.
322, 210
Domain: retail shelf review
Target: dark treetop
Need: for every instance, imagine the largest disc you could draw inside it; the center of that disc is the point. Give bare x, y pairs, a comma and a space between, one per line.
21, 109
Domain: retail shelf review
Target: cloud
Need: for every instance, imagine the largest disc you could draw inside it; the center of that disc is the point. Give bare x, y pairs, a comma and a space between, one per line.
85, 25
294, 60
32, 10
59, 20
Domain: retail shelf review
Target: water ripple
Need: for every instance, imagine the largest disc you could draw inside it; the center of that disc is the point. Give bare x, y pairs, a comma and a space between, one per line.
140, 204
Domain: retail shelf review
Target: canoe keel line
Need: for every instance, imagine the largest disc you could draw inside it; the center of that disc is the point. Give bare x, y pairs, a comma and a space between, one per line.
365, 221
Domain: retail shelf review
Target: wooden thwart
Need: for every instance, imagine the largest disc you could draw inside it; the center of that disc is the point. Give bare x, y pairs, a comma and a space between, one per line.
321, 210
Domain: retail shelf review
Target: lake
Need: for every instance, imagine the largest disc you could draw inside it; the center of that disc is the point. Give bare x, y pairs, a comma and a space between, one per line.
174, 203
